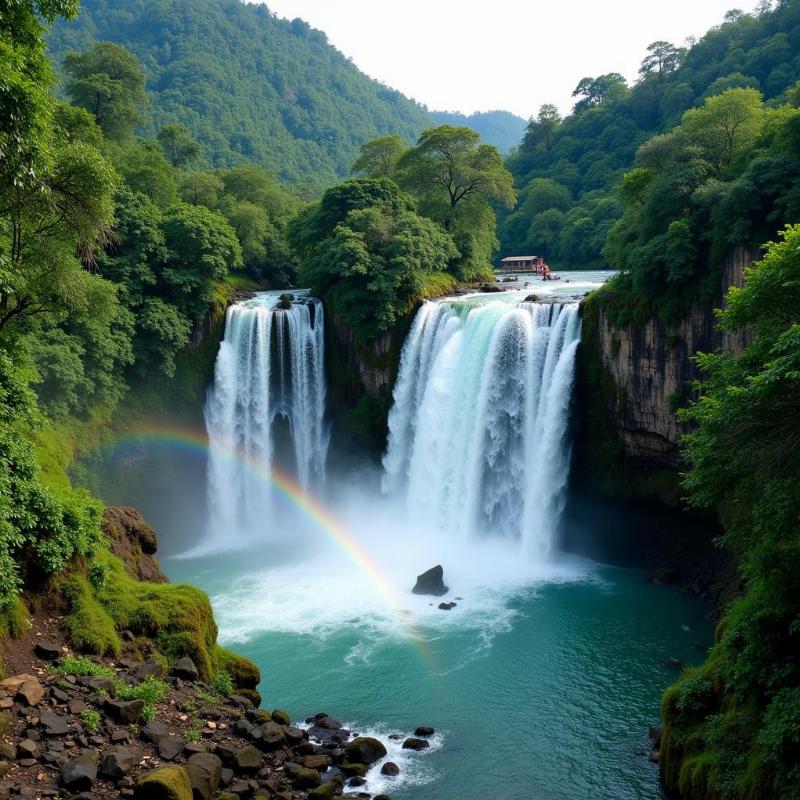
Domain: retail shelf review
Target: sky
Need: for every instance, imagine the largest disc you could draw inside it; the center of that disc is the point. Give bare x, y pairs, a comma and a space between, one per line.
466, 55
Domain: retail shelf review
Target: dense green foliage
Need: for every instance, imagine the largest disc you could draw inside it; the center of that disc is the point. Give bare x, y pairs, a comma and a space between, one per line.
368, 252
733, 725
728, 175
578, 162
250, 87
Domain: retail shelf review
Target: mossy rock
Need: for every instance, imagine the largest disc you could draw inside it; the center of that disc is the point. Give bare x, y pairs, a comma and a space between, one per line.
164, 783
325, 791
281, 717
176, 618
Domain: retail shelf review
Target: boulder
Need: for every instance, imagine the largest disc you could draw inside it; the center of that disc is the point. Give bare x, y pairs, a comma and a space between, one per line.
27, 748
325, 791
431, 582
170, 747
294, 735
390, 768
307, 779
447, 606
281, 717
424, 731
205, 772
285, 301
164, 783
186, 670
119, 761
272, 736
154, 731
152, 666
248, 759
413, 743
30, 692
490, 287
79, 774
49, 651
124, 710
327, 723
365, 750
531, 298
317, 762
53, 724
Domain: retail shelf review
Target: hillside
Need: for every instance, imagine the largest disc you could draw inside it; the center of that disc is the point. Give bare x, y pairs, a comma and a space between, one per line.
501, 128
568, 170
248, 85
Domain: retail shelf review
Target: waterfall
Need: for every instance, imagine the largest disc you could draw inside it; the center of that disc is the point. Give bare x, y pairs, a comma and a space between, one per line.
266, 407
478, 439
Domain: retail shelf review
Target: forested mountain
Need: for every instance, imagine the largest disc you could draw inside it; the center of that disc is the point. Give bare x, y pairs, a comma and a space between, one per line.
569, 170
501, 128
247, 85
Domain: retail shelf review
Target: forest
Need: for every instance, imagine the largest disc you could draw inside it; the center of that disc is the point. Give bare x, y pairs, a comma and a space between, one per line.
569, 171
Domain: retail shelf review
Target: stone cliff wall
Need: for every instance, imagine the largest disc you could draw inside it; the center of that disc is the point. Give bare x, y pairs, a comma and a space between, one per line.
642, 374
361, 378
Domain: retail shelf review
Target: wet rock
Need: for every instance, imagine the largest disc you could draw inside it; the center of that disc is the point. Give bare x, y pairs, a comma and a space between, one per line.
272, 736
293, 735
431, 582
382, 797
47, 650
281, 717
307, 779
119, 761
490, 287
248, 759
186, 670
285, 301
447, 606
154, 731
317, 762
413, 743
357, 781
124, 710
170, 747
79, 774
531, 298
390, 768
164, 783
365, 750
53, 724
353, 768
325, 791
424, 731
325, 722
205, 772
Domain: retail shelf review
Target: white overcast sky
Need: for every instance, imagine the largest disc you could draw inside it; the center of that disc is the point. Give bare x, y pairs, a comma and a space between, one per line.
465, 55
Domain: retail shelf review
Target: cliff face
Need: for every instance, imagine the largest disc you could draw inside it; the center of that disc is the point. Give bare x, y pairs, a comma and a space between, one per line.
646, 372
361, 377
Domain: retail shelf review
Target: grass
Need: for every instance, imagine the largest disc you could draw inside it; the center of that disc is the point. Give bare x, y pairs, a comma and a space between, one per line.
90, 720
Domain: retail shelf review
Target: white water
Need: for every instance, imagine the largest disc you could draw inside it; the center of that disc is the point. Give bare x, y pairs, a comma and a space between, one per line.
478, 439
270, 369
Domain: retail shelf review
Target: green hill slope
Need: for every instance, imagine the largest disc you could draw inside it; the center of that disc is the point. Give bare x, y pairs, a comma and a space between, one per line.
501, 128
248, 85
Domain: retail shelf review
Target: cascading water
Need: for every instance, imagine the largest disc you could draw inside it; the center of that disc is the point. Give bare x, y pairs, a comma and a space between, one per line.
269, 376
478, 429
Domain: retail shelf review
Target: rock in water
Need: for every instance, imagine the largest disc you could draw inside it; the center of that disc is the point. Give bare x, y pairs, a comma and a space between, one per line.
431, 582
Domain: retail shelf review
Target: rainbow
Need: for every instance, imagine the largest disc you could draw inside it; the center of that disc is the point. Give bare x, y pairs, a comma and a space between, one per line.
196, 442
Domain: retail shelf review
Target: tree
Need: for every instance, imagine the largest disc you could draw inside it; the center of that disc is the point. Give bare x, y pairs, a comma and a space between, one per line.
450, 164
373, 263
201, 188
108, 81
378, 158
726, 125
594, 91
179, 147
662, 58
25, 105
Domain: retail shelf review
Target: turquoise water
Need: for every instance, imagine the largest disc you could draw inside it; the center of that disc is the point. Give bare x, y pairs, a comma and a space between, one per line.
548, 694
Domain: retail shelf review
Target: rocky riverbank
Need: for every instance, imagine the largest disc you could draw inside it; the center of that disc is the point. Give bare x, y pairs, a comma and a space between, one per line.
91, 728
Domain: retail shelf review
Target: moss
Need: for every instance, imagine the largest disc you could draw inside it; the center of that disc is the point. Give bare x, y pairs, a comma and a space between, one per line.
177, 618
164, 783
14, 619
